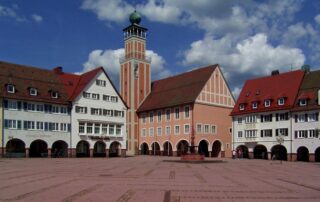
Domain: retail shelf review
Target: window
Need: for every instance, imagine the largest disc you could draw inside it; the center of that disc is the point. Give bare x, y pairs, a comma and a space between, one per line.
186, 129
176, 130
55, 109
282, 131
107, 112
63, 110
54, 126
250, 133
213, 129
301, 134
159, 131
114, 99
95, 111
254, 105
143, 118
89, 128
313, 117
111, 129
159, 116
168, 111
168, 130
177, 111
230, 130
313, 133
251, 119
267, 103
239, 120
118, 113
81, 127
151, 132
81, 110
239, 133
10, 88
206, 128
302, 102
282, 117
54, 94
143, 132
186, 112
95, 96
106, 98
105, 129
33, 91
31, 107
12, 104
39, 125
199, 128
96, 128
63, 127
40, 108
86, 95
151, 117
241, 107
10, 124
281, 101
266, 118
266, 133
101, 82
29, 125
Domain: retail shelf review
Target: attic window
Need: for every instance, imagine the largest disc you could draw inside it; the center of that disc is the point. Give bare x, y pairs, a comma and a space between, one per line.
302, 102
33, 91
258, 92
247, 94
267, 103
241, 107
281, 101
101, 82
10, 88
254, 105
54, 94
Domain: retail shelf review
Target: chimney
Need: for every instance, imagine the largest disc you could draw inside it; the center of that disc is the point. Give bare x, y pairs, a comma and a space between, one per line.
58, 70
275, 72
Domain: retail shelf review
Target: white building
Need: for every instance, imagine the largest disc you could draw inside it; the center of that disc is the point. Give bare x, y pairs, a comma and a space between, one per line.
97, 116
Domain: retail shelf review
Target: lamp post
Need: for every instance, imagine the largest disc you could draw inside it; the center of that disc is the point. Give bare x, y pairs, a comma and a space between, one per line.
280, 140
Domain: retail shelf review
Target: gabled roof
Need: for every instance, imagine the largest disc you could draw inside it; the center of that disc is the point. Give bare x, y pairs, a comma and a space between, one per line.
26, 77
176, 90
309, 91
285, 85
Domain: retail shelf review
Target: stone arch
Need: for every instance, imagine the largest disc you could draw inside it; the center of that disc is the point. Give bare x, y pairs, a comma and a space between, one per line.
144, 148
15, 148
317, 155
99, 149
280, 152
38, 148
83, 149
155, 148
242, 151
203, 147
303, 154
167, 148
182, 147
115, 149
59, 149
216, 148
260, 152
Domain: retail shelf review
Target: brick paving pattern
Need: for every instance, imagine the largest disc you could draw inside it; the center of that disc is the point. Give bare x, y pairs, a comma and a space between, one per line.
145, 178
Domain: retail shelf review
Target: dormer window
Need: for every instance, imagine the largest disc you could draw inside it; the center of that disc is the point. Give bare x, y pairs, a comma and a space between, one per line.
241, 107
281, 101
11, 88
302, 102
54, 94
254, 105
267, 103
33, 91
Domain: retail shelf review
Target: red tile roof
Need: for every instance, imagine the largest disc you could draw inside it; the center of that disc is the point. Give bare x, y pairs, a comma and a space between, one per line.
176, 90
277, 86
25, 77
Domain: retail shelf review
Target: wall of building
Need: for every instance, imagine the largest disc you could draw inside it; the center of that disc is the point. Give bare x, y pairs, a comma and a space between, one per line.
1, 129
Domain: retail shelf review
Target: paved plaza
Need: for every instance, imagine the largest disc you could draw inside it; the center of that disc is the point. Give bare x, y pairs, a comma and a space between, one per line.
146, 178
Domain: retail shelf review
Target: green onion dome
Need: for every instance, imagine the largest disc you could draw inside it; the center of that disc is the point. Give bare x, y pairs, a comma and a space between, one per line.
135, 18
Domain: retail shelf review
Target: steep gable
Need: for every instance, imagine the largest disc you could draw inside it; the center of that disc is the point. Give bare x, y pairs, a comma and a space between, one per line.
176, 90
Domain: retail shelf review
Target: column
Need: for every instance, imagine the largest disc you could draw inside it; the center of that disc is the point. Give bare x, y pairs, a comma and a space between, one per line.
49, 153
91, 152
27, 152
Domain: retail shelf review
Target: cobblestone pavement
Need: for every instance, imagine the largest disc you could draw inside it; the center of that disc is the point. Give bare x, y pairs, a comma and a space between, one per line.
145, 178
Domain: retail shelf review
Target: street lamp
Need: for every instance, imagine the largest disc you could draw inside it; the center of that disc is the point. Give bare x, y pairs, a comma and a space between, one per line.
280, 140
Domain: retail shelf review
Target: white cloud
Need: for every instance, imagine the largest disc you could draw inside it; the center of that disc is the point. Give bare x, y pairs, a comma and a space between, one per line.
37, 18
11, 13
252, 56
236, 92
109, 59
317, 18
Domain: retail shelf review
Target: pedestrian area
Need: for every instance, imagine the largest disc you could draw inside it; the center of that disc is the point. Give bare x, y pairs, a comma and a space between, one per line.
146, 178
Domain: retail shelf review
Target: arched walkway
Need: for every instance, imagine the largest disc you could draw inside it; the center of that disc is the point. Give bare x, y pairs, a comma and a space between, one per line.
59, 149
260, 152
280, 152
203, 148
115, 149
302, 154
182, 147
99, 149
83, 149
242, 152
38, 148
167, 149
15, 148
144, 149
216, 148
317, 155
155, 148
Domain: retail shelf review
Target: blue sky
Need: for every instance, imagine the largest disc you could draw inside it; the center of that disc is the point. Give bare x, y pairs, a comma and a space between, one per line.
247, 38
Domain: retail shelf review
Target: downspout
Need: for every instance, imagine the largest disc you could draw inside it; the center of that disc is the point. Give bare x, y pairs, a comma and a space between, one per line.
71, 126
